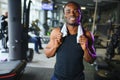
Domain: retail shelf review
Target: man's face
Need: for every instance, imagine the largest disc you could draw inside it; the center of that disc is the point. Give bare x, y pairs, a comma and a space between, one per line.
72, 14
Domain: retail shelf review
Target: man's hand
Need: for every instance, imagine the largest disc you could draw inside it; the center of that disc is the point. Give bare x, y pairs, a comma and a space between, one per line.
83, 42
54, 43
58, 39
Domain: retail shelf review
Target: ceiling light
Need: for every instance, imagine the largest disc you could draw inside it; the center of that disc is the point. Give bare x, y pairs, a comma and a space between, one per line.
83, 8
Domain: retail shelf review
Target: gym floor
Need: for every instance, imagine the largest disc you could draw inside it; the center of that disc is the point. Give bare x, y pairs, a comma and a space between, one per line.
41, 66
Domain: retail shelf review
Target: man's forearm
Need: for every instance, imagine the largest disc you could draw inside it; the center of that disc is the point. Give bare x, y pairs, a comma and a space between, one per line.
89, 56
50, 51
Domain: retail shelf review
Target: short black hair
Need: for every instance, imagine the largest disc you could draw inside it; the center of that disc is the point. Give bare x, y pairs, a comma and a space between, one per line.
72, 2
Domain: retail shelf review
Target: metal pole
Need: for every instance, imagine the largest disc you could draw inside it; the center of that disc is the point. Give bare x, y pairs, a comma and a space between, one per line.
93, 26
14, 30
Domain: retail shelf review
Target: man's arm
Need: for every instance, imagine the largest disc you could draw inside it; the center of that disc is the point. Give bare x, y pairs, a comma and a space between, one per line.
54, 43
87, 44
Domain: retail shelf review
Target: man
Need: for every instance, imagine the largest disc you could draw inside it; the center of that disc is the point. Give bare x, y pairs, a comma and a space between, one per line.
34, 36
4, 30
70, 49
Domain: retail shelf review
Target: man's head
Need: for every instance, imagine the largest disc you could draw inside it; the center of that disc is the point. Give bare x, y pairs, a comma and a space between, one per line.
72, 13
6, 14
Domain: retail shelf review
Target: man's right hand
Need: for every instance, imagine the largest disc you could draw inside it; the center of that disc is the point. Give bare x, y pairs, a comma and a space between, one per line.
54, 43
58, 39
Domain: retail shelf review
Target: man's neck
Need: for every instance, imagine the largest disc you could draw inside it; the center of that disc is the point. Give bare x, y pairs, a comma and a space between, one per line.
72, 29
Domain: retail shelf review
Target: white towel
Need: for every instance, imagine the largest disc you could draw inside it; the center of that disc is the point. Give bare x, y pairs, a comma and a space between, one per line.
64, 31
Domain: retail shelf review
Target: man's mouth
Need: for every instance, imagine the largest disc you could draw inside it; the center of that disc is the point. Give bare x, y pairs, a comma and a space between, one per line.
72, 18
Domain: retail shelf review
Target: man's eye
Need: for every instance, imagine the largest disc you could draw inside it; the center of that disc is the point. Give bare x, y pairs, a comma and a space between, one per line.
76, 11
67, 11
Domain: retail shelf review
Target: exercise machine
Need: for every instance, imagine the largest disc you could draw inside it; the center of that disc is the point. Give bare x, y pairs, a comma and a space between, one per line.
12, 70
108, 68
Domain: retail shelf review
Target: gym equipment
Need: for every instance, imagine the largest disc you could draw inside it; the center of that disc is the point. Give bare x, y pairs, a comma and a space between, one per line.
12, 70
108, 68
98, 42
114, 44
30, 55
26, 13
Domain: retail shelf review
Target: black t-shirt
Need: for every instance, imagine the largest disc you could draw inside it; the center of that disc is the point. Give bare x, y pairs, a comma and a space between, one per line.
69, 59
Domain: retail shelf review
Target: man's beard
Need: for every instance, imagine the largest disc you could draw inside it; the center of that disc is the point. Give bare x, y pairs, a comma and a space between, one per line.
73, 24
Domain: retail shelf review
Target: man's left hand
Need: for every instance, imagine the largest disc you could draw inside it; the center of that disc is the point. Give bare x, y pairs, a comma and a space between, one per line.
83, 42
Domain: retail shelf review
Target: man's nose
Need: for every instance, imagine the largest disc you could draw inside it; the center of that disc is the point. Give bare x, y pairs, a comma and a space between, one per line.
72, 13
